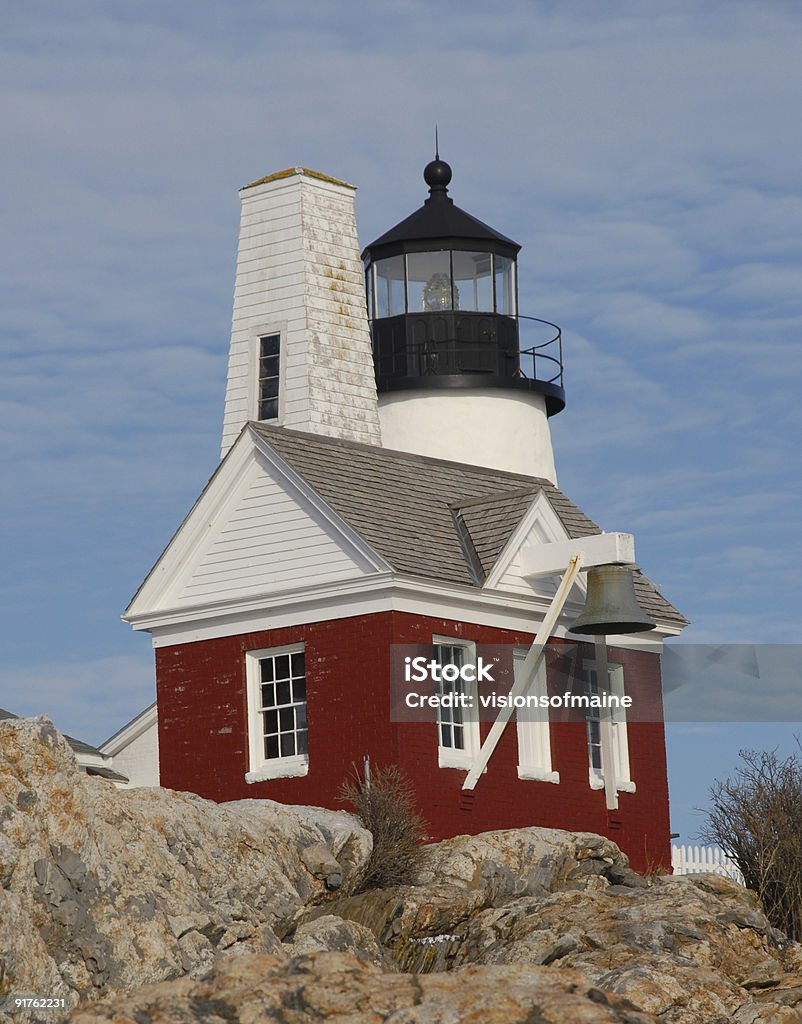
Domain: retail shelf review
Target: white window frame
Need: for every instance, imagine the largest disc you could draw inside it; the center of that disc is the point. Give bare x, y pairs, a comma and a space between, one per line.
534, 735
262, 768
254, 355
450, 757
620, 739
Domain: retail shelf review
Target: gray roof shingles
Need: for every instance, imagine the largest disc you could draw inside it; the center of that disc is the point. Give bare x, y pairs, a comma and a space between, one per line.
408, 507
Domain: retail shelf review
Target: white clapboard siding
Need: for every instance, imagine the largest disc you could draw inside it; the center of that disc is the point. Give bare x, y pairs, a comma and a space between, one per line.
139, 761
264, 540
696, 860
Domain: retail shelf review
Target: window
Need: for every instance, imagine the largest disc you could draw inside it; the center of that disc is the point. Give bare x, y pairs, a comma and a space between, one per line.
457, 728
505, 285
277, 713
429, 282
534, 733
473, 281
619, 730
269, 362
389, 287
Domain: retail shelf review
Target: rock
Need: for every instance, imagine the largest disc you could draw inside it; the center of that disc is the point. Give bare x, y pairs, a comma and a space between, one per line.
104, 890
342, 989
690, 949
332, 934
675, 949
321, 864
524, 862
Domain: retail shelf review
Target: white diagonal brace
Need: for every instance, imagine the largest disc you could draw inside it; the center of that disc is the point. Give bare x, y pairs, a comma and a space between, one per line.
524, 681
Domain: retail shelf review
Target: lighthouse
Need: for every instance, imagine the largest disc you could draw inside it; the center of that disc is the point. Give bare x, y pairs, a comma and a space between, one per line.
461, 374
387, 479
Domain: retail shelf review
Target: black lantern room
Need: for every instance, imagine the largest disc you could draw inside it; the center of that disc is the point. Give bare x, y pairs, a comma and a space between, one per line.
443, 306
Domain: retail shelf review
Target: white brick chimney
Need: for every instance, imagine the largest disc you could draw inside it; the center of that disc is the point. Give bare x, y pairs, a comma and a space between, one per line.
300, 284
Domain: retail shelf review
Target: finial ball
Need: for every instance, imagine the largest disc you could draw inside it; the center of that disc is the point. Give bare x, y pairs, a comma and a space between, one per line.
437, 174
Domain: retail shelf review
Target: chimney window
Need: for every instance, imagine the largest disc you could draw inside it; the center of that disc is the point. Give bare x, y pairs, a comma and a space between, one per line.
269, 359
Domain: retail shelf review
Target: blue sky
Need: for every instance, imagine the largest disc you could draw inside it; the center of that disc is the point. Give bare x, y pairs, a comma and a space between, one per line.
645, 155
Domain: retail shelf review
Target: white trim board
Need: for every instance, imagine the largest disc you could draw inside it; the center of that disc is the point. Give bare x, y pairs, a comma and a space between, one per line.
131, 731
371, 595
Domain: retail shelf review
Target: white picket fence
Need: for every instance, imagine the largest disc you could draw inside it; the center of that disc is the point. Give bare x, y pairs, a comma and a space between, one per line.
693, 860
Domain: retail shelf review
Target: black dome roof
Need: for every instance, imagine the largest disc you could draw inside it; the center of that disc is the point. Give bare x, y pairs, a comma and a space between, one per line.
439, 220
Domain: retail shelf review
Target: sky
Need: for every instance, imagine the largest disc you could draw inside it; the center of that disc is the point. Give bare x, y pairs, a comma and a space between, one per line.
646, 156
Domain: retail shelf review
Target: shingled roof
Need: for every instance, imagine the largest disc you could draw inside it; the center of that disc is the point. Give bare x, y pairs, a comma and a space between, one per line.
427, 517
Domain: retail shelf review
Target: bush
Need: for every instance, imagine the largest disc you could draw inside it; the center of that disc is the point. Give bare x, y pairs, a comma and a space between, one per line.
387, 806
756, 818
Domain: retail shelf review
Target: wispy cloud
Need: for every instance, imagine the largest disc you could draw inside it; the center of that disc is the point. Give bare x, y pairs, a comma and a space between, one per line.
645, 158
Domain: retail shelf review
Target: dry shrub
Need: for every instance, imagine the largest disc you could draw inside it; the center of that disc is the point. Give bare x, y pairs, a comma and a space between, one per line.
756, 818
387, 806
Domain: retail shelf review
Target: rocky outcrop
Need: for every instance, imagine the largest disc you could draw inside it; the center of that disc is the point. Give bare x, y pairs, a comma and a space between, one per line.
687, 949
341, 989
105, 890
149, 906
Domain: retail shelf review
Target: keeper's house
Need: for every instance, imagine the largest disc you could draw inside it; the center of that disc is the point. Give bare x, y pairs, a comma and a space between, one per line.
387, 477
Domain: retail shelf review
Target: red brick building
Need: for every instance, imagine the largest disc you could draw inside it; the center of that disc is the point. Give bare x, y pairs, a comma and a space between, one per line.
387, 479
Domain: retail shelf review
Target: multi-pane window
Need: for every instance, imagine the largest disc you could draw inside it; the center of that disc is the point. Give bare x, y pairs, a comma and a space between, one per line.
269, 358
283, 699
278, 730
457, 728
450, 721
618, 729
593, 718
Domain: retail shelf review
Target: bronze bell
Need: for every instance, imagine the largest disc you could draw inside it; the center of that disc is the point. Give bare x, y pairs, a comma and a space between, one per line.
611, 606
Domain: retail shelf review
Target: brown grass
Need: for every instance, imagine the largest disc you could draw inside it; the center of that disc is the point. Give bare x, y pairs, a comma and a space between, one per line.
388, 809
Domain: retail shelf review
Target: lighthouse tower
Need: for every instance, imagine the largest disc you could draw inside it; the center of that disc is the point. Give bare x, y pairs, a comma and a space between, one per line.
460, 373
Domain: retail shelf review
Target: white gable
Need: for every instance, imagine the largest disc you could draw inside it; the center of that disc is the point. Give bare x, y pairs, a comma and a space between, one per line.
267, 540
540, 525
134, 750
257, 530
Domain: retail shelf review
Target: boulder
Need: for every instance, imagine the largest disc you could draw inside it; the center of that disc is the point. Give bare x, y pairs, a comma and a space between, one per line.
330, 933
103, 889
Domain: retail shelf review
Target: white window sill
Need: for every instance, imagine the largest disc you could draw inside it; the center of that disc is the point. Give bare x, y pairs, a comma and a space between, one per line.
447, 758
623, 786
538, 774
281, 768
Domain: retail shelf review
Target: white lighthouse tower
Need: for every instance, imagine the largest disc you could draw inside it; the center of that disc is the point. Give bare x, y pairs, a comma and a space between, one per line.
460, 374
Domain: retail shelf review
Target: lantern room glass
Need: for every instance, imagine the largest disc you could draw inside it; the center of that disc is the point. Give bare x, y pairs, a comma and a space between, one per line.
389, 284
473, 281
429, 281
505, 285
442, 280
